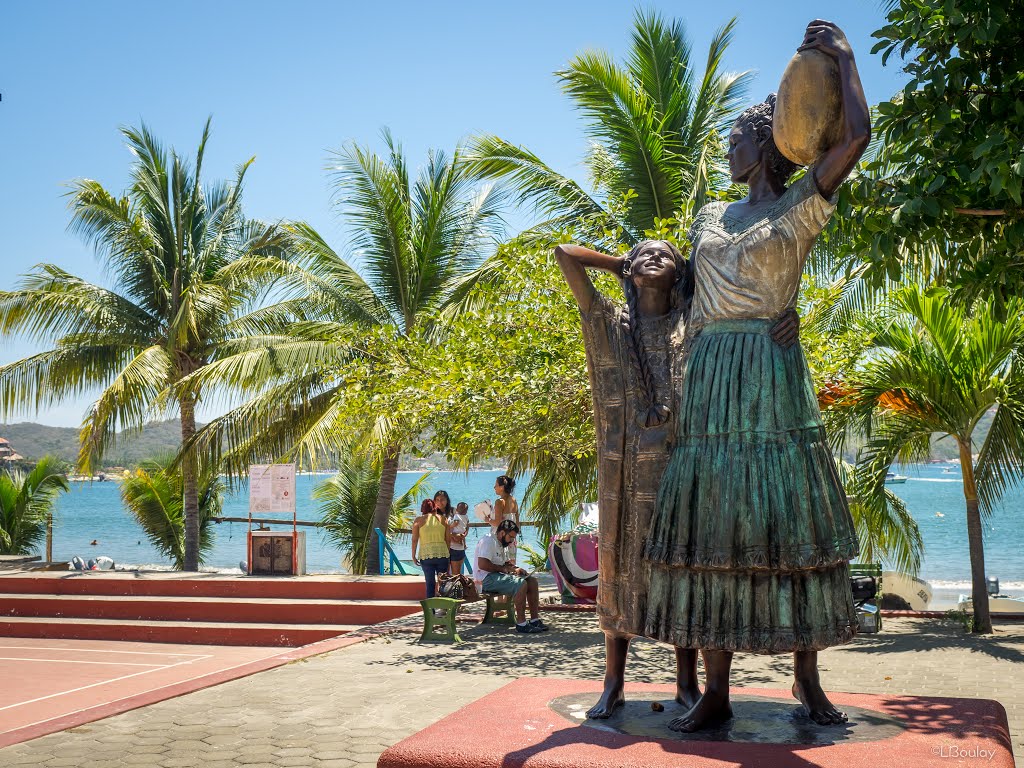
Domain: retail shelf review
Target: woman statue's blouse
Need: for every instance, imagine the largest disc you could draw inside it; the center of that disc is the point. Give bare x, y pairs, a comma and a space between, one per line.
750, 267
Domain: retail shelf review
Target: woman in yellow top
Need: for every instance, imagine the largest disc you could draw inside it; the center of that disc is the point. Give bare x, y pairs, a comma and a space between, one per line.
431, 539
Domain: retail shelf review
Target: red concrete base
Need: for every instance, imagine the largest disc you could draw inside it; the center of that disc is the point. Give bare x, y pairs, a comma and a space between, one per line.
524, 732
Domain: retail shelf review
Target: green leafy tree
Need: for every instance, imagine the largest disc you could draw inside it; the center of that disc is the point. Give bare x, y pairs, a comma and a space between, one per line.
657, 128
512, 382
948, 183
154, 496
414, 241
26, 505
936, 367
187, 270
347, 504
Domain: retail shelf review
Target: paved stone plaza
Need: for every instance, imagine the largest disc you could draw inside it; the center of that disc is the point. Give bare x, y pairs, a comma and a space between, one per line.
342, 709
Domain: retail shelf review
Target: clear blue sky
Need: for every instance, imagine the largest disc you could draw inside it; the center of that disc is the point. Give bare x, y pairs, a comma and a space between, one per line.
286, 82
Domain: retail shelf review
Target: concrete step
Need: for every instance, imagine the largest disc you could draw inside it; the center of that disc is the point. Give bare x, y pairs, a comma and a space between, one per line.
189, 632
252, 610
169, 584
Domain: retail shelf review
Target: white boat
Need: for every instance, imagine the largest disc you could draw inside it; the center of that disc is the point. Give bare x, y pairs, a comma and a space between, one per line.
904, 593
996, 604
891, 478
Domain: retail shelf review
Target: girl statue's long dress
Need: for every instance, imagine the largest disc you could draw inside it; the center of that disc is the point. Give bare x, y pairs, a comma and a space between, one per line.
631, 456
752, 536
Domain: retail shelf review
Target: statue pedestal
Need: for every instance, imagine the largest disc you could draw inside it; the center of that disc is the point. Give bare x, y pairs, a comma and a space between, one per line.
539, 723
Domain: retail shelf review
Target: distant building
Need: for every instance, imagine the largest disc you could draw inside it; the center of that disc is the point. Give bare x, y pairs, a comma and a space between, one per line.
7, 454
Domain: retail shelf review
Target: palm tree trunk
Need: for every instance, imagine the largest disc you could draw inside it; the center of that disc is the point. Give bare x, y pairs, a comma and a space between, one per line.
190, 485
979, 589
382, 509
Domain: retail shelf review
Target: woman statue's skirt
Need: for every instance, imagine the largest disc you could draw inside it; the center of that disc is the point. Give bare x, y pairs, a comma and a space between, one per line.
752, 535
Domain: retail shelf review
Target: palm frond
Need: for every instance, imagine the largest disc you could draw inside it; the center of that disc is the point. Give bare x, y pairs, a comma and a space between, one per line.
557, 199
373, 196
125, 402
558, 488
26, 504
886, 530
333, 287
153, 495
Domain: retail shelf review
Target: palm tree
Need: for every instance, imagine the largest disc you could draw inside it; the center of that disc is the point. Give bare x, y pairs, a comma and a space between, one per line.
186, 268
155, 498
414, 241
657, 129
936, 367
26, 505
348, 501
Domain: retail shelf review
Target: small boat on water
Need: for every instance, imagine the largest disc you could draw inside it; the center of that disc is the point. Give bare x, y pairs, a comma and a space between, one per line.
891, 478
948, 471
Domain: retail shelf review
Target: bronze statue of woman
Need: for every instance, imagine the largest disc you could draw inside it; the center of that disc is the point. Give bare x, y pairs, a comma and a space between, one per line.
752, 536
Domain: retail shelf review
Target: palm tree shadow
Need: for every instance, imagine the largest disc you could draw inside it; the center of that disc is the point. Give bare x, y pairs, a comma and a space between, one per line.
942, 635
574, 648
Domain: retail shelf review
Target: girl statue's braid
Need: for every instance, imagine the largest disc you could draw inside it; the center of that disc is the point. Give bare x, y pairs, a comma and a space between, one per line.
656, 413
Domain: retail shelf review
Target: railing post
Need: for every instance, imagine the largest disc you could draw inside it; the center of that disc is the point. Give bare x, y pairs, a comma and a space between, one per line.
380, 550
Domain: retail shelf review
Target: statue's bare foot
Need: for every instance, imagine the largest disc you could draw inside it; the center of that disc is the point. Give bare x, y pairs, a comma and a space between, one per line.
712, 709
819, 708
610, 700
688, 695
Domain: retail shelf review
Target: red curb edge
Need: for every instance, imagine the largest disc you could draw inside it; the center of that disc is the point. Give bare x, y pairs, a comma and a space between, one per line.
135, 701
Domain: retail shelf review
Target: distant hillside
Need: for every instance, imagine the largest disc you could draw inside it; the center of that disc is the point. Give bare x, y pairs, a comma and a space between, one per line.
33, 441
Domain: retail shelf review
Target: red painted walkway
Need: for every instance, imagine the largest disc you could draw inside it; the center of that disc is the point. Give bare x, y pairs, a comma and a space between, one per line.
50, 685
50, 680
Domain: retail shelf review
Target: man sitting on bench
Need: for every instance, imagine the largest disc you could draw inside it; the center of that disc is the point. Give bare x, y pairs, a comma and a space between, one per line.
501, 576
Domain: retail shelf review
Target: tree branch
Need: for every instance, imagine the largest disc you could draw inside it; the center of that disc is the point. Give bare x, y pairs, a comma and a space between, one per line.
980, 211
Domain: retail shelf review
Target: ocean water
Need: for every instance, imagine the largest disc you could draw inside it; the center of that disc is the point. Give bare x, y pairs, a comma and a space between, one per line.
93, 511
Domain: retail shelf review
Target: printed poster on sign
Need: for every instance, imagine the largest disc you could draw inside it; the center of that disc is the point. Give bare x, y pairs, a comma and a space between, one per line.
272, 488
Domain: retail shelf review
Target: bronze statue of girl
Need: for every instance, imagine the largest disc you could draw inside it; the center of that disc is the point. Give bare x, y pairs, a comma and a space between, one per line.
635, 358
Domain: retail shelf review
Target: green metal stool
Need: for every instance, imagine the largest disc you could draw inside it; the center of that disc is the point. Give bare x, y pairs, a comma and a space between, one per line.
500, 609
440, 629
